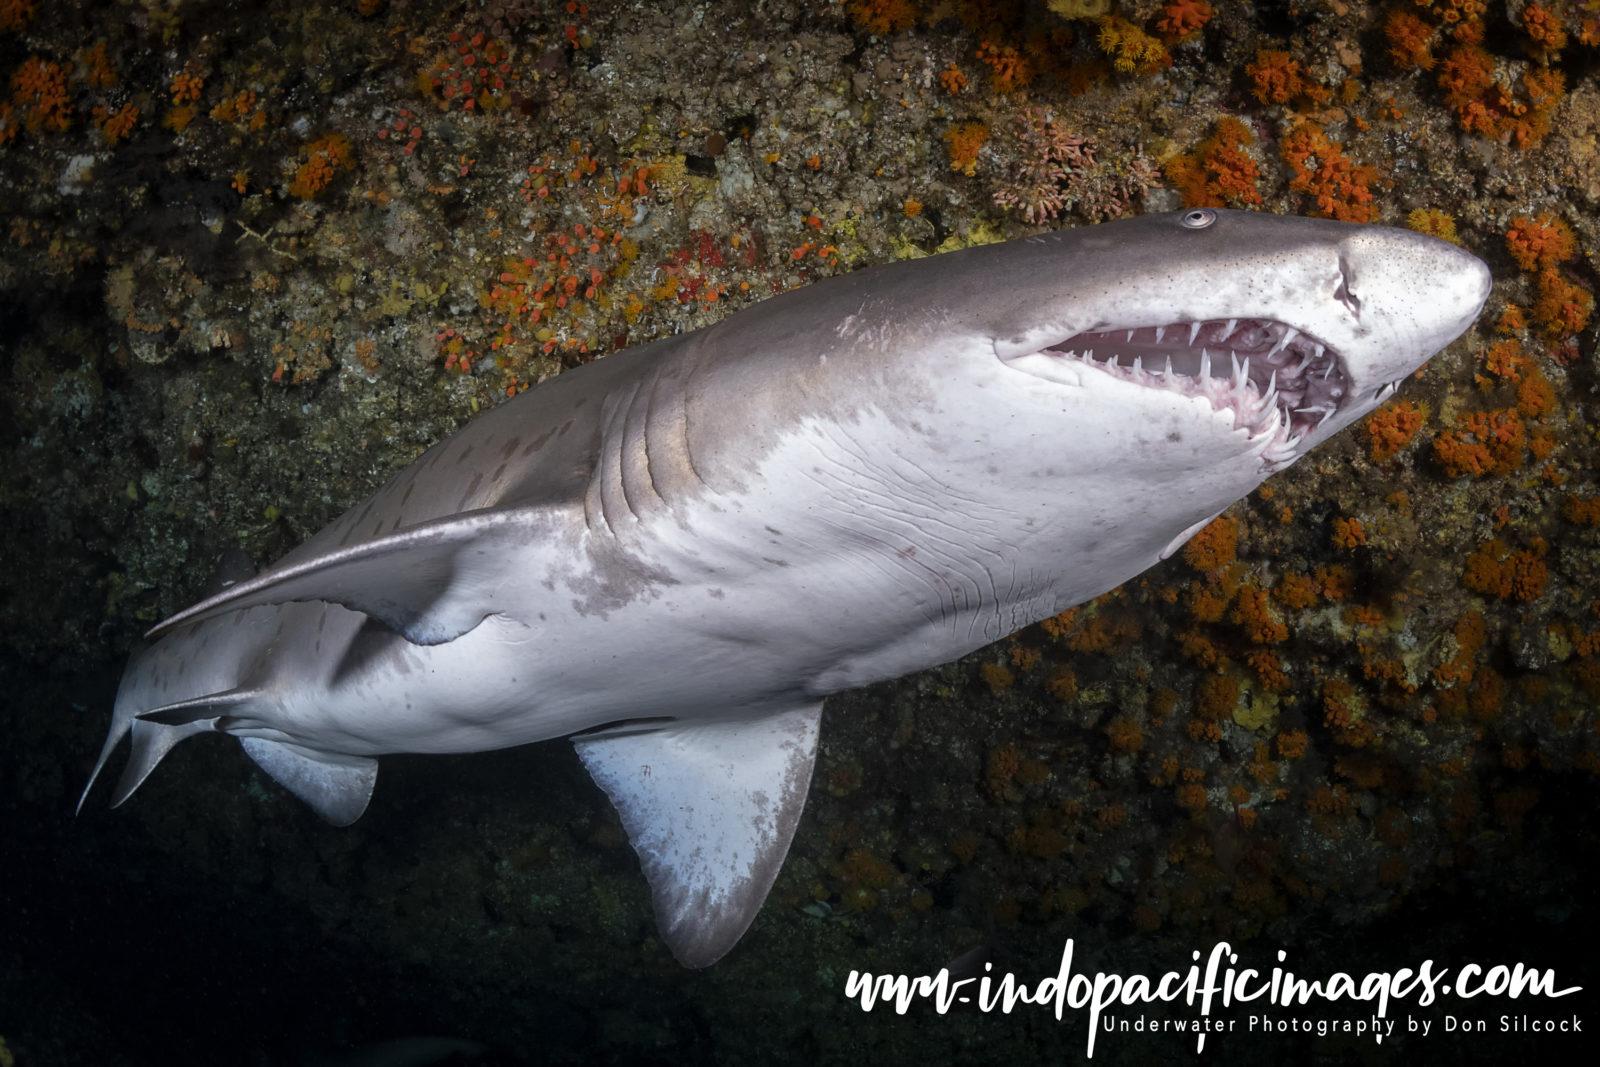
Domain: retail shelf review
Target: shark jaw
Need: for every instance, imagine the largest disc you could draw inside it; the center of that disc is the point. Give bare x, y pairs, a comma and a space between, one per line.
1277, 384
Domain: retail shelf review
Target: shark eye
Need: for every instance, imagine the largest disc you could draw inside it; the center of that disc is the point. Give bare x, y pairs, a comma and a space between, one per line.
1199, 218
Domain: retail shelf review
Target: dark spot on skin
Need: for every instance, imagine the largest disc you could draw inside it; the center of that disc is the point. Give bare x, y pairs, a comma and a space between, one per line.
498, 471
565, 426
907, 552
774, 531
465, 452
407, 494
536, 444
716, 594
511, 446
775, 562
1174, 436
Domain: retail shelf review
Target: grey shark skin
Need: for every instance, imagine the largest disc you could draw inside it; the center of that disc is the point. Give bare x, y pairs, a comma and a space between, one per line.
674, 554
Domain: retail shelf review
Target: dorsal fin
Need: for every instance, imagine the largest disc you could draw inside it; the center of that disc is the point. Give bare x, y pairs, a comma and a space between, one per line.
338, 787
710, 808
430, 583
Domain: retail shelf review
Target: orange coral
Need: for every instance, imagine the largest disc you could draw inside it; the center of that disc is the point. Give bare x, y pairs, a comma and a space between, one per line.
1334, 581
1253, 610
1275, 78
1410, 40
1182, 19
186, 86
1296, 591
1536, 397
1540, 243
952, 80
324, 158
1545, 29
1220, 172
997, 677
1207, 603
1268, 668
15, 14
883, 16
1292, 744
114, 126
1561, 308
1391, 428
1489, 107
39, 93
1349, 533
1506, 360
98, 72
1214, 546
964, 142
1489, 442
1581, 510
1495, 569
1009, 69
1320, 169
1125, 734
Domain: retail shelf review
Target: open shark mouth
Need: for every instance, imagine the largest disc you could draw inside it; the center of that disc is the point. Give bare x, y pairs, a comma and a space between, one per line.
1274, 380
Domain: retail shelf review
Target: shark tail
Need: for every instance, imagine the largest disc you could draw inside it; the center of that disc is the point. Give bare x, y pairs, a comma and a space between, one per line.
336, 786
120, 728
153, 734
151, 743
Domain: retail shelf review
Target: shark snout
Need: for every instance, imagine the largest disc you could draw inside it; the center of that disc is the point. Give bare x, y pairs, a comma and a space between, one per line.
1409, 295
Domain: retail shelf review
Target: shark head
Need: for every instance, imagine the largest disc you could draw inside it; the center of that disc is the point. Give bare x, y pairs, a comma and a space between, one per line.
1281, 331
1106, 389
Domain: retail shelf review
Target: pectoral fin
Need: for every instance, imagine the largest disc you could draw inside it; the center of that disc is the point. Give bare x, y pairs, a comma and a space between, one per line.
710, 808
431, 583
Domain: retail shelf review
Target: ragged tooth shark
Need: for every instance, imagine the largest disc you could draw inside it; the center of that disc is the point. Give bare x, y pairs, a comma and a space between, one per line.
674, 554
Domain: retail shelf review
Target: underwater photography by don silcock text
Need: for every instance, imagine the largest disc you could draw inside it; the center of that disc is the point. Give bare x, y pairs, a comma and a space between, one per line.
857, 532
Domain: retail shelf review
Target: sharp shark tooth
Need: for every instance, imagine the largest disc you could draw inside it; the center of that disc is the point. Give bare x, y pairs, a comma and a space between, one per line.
1161, 331
1194, 331
1205, 366
1227, 331
1138, 365
1238, 377
1289, 334
1130, 337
